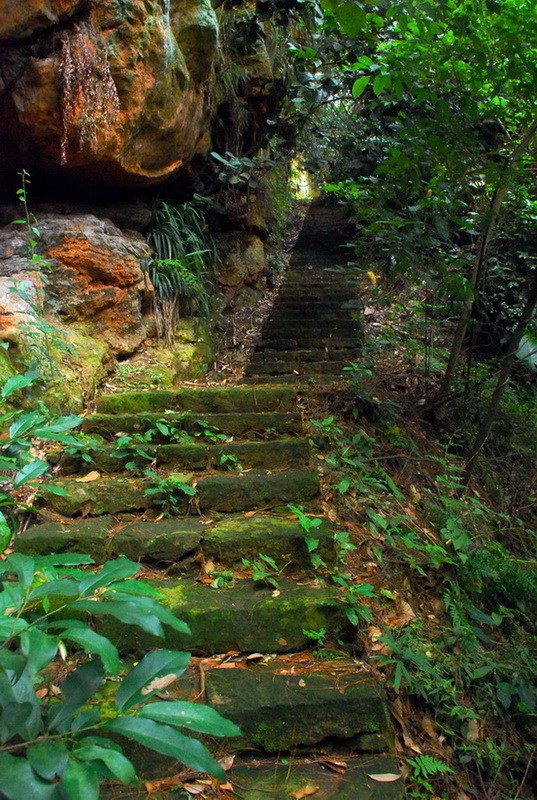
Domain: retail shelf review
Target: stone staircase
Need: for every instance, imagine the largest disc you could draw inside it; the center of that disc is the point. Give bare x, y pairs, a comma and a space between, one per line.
306, 722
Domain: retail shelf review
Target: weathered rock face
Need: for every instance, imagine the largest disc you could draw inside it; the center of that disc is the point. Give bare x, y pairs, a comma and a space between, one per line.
119, 93
95, 279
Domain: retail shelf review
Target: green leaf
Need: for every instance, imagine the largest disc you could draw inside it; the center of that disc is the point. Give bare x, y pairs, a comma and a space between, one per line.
380, 83
166, 740
128, 612
15, 383
23, 566
116, 762
14, 718
137, 685
29, 472
112, 571
63, 586
80, 782
194, 716
48, 759
91, 642
39, 649
77, 689
359, 86
60, 425
19, 780
5, 532
147, 605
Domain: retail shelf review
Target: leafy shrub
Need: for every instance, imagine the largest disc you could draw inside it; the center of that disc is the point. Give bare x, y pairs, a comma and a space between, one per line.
58, 747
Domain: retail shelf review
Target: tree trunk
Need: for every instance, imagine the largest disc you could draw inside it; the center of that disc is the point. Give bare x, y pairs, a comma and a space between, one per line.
503, 378
479, 262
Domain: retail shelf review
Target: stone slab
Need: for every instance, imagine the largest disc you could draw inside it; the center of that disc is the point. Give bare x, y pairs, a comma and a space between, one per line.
165, 541
208, 399
257, 490
90, 536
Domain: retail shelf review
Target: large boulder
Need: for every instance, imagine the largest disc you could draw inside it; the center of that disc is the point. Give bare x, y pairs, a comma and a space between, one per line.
92, 277
117, 93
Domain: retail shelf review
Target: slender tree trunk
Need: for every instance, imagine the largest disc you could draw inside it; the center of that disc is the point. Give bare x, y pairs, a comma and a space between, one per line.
479, 262
503, 379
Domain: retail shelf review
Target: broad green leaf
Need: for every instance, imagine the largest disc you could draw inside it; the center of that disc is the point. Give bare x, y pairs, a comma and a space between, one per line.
15, 383
380, 83
24, 423
30, 471
11, 626
23, 566
14, 718
359, 86
91, 642
140, 683
128, 612
135, 587
58, 426
5, 532
77, 689
168, 741
116, 762
22, 691
63, 559
48, 759
112, 571
18, 780
64, 587
147, 605
12, 661
80, 782
39, 648
194, 716
86, 719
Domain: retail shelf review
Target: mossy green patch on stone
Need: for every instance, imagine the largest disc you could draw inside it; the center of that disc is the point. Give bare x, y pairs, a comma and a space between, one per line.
243, 618
279, 712
102, 496
241, 424
257, 490
230, 399
168, 540
91, 536
282, 539
272, 454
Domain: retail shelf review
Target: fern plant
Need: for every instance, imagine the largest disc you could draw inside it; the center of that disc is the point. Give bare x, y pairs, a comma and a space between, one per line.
182, 267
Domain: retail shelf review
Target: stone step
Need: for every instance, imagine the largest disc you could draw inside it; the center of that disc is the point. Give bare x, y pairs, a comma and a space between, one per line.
179, 540
229, 399
297, 367
341, 323
332, 299
316, 354
308, 316
247, 424
286, 343
257, 489
281, 712
247, 617
262, 778
275, 453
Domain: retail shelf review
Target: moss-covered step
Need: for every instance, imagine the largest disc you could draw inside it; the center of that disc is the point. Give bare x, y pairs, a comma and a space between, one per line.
245, 618
313, 354
245, 424
232, 399
166, 541
256, 490
306, 342
231, 492
279, 712
271, 454
285, 367
282, 779
281, 538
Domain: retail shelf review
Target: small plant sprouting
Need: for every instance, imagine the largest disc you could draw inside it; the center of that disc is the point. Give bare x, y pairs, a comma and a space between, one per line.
135, 449
230, 461
169, 492
264, 569
222, 579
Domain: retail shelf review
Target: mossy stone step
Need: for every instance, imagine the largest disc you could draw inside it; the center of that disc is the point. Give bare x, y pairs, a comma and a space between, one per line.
281, 780
343, 327
280, 712
270, 454
306, 342
244, 424
246, 618
232, 399
314, 354
170, 541
257, 490
232, 492
286, 367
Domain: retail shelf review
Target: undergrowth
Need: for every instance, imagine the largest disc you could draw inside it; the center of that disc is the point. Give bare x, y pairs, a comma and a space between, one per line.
451, 621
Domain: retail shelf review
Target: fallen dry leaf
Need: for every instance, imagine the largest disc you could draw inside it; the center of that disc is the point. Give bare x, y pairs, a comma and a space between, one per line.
472, 732
159, 683
226, 763
302, 683
91, 476
427, 726
282, 641
40, 693
386, 777
337, 766
305, 791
